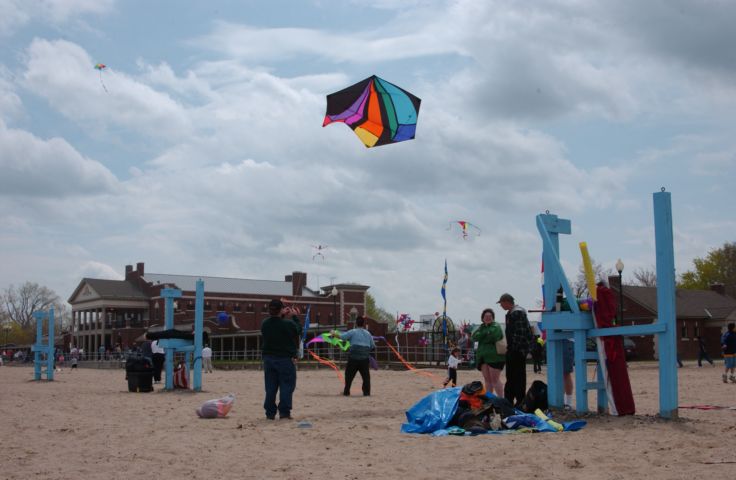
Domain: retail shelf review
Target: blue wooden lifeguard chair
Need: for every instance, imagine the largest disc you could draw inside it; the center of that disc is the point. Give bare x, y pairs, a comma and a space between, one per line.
39, 348
579, 324
172, 346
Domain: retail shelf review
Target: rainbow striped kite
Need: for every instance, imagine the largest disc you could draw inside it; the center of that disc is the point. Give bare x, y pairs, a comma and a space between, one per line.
379, 112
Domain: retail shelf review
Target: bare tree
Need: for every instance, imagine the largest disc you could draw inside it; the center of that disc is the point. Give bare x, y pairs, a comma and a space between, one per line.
20, 303
580, 287
645, 277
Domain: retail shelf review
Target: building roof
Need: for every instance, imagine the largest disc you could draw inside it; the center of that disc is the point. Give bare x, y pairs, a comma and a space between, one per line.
110, 289
688, 303
224, 285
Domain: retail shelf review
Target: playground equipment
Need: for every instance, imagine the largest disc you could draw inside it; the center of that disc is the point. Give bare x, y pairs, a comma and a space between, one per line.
40, 348
173, 345
579, 325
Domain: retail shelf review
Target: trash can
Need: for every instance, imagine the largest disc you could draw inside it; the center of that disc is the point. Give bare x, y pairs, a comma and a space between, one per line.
139, 373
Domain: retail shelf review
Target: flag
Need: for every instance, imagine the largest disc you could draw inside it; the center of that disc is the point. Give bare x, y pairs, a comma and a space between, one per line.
306, 323
444, 297
543, 304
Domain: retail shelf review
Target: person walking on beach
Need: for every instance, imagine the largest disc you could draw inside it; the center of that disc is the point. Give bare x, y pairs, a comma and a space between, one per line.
361, 345
207, 359
452, 363
280, 346
728, 345
487, 359
703, 353
519, 340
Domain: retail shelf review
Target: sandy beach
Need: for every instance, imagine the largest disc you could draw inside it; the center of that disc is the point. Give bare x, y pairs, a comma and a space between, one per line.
85, 425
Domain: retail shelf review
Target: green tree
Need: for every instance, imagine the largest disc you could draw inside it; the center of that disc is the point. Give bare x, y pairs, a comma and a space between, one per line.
377, 313
580, 287
719, 266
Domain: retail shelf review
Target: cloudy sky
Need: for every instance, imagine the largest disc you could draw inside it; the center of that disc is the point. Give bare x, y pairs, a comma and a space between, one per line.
206, 155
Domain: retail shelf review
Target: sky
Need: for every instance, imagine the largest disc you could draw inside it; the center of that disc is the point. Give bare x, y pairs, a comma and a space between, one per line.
200, 149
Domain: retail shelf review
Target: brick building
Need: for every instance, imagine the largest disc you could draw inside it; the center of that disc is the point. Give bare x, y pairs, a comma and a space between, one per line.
117, 312
698, 312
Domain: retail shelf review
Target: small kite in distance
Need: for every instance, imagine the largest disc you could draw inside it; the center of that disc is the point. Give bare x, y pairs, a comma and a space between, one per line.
465, 228
318, 251
100, 67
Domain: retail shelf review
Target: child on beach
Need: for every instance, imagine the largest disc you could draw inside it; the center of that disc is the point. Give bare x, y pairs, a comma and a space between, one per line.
452, 364
74, 362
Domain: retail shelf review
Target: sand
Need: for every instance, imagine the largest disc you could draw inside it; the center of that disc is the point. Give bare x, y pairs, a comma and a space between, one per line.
85, 425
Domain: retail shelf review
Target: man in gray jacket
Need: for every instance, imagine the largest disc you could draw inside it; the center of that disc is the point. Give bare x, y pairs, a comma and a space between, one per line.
361, 345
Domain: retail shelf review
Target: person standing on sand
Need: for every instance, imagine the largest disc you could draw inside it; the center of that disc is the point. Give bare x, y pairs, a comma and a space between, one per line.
280, 348
519, 341
487, 359
703, 353
361, 346
207, 359
728, 345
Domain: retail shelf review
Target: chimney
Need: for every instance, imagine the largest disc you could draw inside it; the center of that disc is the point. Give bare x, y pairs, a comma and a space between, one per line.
298, 282
128, 271
614, 282
718, 288
139, 268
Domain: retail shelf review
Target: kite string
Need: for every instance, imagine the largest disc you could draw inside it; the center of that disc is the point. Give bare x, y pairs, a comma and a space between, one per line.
103, 83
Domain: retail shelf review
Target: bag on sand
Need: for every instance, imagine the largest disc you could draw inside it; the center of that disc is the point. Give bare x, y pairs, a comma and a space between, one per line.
536, 398
217, 408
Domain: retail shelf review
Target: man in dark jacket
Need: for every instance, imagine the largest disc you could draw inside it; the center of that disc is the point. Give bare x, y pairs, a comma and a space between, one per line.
519, 341
280, 344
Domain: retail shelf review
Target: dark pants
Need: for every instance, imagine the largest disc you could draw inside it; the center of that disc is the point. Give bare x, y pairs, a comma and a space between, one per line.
703, 356
451, 377
280, 377
515, 389
158, 363
353, 367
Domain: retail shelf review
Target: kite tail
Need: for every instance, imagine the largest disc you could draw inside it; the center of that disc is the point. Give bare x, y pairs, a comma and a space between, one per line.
329, 363
103, 83
412, 368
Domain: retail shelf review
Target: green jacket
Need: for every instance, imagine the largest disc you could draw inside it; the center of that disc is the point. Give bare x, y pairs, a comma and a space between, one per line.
487, 335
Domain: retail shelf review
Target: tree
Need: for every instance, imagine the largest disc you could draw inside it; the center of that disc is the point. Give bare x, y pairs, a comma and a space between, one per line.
20, 304
580, 287
645, 277
719, 266
377, 313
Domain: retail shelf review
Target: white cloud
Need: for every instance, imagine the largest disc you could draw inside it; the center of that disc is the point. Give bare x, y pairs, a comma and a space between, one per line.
18, 13
48, 168
63, 73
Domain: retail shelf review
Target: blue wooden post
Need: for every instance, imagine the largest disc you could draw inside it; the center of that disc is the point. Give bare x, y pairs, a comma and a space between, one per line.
168, 294
51, 351
39, 348
198, 331
666, 311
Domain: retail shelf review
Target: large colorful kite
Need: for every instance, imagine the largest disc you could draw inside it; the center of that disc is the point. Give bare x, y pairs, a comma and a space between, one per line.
465, 228
379, 112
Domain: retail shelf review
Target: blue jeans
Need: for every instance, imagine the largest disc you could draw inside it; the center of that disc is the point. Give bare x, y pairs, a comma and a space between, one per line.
280, 376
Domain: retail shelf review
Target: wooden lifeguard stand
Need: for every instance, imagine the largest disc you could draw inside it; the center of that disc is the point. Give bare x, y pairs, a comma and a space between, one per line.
173, 345
579, 324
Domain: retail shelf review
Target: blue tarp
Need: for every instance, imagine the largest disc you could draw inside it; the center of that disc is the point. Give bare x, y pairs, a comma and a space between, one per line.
432, 413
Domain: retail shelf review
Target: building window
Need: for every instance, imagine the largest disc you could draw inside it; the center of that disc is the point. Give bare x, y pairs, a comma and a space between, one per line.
317, 318
697, 330
190, 304
264, 308
683, 330
236, 307
249, 309
208, 306
220, 306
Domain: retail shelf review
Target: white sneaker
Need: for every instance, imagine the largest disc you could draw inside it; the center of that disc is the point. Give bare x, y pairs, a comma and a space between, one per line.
732, 378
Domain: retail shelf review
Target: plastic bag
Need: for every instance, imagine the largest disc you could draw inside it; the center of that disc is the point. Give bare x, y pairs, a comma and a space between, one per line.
216, 408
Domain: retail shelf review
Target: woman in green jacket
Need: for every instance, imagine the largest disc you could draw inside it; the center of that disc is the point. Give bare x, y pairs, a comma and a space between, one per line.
488, 361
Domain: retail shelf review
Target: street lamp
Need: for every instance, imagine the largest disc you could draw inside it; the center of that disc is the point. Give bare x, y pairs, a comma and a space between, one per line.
620, 270
334, 302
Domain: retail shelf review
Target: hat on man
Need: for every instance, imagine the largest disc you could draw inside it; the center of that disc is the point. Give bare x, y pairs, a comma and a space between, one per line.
506, 297
275, 304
